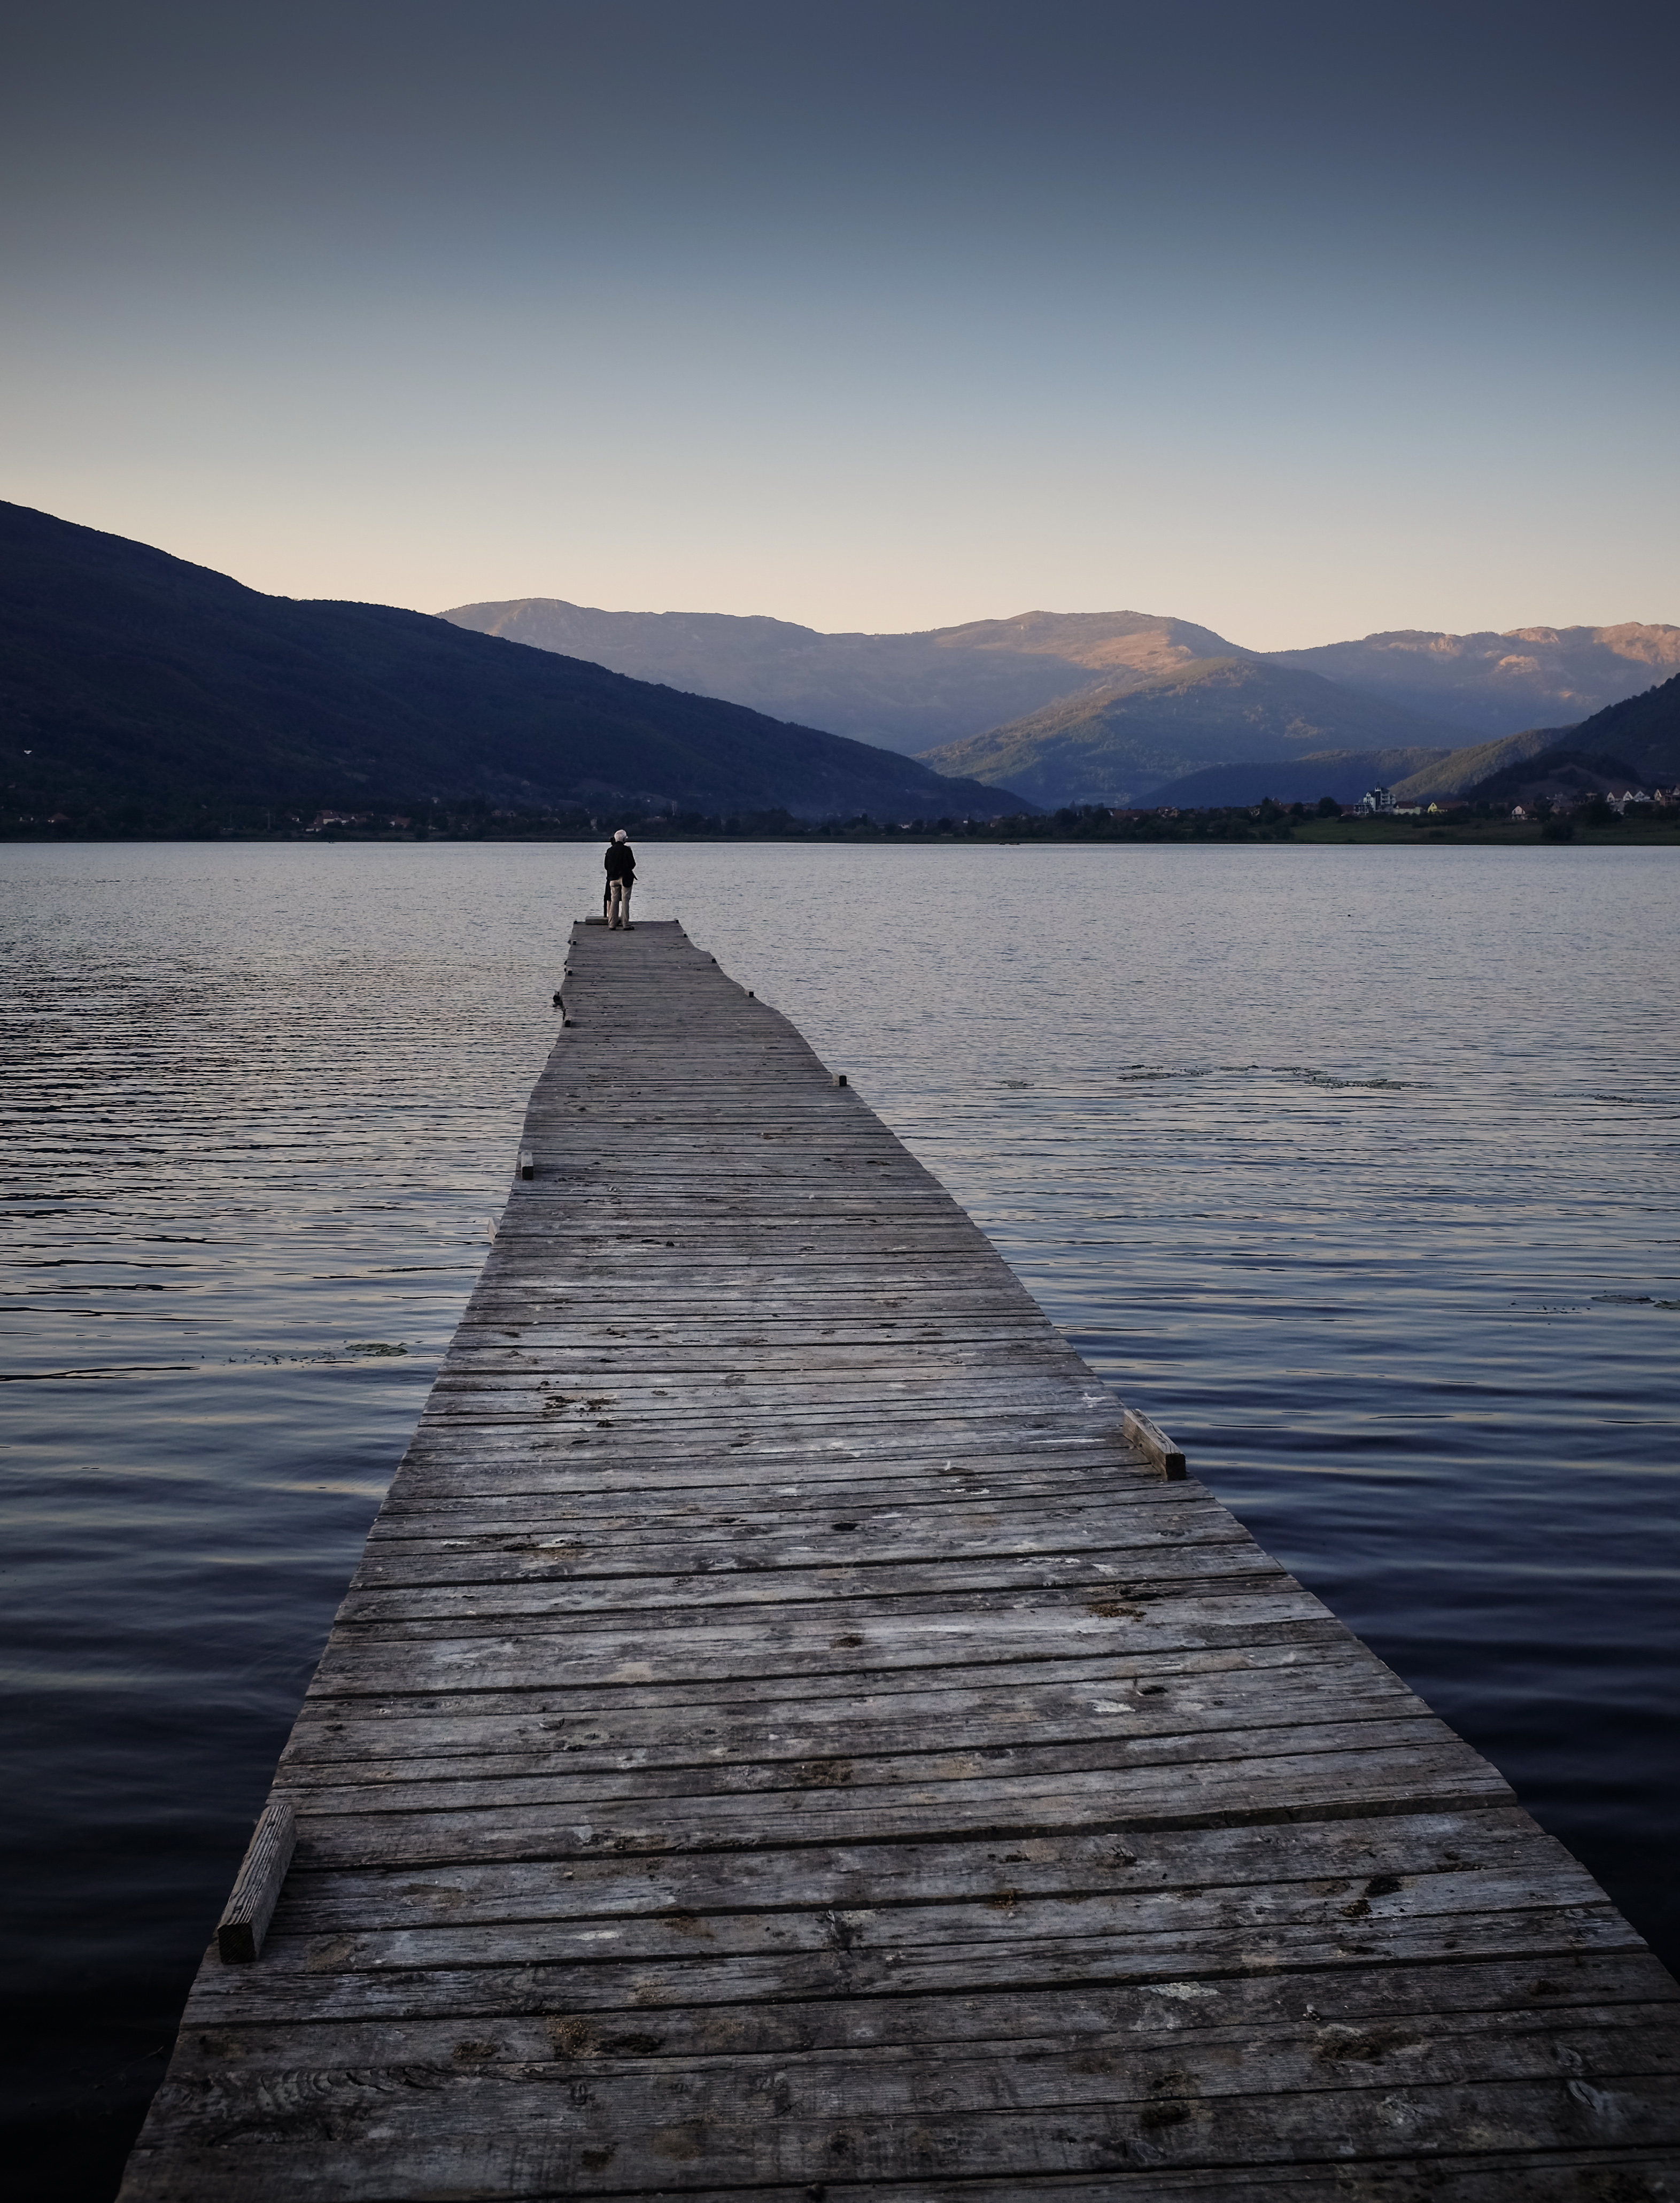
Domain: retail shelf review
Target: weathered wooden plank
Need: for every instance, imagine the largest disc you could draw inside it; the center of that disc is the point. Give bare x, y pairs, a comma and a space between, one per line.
1019, 1718
785, 1738
1629, 2175
503, 1781
1337, 1858
1199, 1879
916, 1455
1296, 2055
1091, 1935
646, 1364
520, 1519
872, 1634
667, 2056
1216, 1587
651, 2129
1081, 1464
678, 1721
558, 1330
669, 1729
1349, 1781
498, 1537
1455, 1992
756, 1404
1217, 2080
356, 1977
742, 1579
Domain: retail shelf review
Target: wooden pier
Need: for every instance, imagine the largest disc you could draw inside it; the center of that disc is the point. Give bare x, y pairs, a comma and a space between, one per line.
786, 1738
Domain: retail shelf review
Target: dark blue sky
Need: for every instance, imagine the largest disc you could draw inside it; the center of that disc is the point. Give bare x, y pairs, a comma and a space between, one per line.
1299, 321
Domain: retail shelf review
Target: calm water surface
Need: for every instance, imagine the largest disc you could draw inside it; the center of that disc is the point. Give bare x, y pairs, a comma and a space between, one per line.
1356, 1168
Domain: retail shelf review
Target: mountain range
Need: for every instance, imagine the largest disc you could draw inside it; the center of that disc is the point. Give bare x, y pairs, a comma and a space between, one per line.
1116, 707
1500, 684
907, 692
138, 689
130, 678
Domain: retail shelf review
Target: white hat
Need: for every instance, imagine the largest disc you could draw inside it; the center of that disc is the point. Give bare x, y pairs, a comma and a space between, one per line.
621, 835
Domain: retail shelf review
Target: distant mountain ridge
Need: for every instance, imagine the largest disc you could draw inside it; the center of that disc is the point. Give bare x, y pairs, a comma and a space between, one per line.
1142, 643
1027, 684
1500, 684
127, 675
905, 692
1121, 741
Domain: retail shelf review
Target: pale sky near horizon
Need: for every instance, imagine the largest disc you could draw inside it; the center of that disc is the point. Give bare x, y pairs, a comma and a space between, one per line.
1297, 322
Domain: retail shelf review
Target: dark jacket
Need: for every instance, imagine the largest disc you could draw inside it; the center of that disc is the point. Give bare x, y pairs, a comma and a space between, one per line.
619, 860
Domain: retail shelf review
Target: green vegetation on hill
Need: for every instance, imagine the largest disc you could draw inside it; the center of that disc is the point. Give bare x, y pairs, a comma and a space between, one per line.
1641, 733
139, 692
1117, 743
1107, 746
1344, 774
1633, 743
1464, 768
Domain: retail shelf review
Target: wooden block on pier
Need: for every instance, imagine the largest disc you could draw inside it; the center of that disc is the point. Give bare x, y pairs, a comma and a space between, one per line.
1153, 1442
255, 1891
794, 1734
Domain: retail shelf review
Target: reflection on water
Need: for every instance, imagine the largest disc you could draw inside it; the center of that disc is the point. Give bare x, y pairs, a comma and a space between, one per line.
1356, 1168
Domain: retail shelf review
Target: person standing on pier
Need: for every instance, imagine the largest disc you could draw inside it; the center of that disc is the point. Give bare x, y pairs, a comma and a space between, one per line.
621, 862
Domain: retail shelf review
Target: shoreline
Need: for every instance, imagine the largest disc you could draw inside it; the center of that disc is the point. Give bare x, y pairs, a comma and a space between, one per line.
1373, 833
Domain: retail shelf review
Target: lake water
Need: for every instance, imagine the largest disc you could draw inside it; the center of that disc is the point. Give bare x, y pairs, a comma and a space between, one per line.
1355, 1168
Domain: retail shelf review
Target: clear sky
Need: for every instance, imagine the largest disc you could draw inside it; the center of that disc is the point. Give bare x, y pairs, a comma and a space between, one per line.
1298, 320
